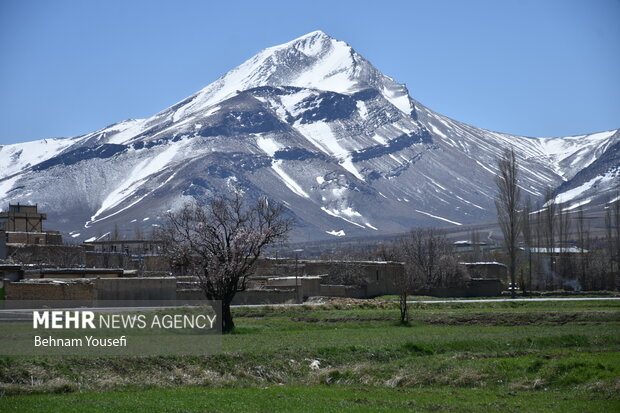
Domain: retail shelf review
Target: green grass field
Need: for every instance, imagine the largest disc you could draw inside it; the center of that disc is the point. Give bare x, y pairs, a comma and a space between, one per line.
524, 356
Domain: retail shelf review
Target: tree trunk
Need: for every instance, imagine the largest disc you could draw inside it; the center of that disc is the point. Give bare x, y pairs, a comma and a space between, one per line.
404, 310
227, 321
513, 275
529, 253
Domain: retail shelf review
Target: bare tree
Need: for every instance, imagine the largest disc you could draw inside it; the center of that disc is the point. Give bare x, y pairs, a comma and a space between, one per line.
564, 225
220, 243
474, 237
405, 288
116, 233
429, 262
385, 251
550, 215
138, 232
421, 250
507, 205
526, 229
539, 243
612, 235
583, 242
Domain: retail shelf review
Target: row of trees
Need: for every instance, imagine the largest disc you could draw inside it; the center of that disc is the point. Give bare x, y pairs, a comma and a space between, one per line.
560, 248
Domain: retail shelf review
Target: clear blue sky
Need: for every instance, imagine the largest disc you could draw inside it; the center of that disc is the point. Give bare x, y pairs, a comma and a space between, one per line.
537, 68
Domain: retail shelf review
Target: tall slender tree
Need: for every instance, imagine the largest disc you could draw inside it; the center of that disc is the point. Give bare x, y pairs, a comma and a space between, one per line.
583, 242
526, 228
564, 225
612, 235
540, 278
474, 237
550, 216
507, 203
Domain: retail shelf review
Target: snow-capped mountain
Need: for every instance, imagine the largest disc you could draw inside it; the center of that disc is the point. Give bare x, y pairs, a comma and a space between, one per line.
310, 123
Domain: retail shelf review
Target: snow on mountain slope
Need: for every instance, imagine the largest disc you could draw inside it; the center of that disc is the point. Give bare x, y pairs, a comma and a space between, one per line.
571, 154
15, 158
310, 123
598, 182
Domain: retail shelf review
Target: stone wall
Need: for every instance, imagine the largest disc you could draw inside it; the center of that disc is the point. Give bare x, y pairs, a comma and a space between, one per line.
309, 286
346, 291
249, 297
72, 273
106, 260
475, 288
31, 290
93, 290
59, 255
155, 288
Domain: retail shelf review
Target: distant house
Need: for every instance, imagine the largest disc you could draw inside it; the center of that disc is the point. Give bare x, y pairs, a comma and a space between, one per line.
556, 251
138, 254
21, 228
466, 243
487, 270
128, 247
22, 218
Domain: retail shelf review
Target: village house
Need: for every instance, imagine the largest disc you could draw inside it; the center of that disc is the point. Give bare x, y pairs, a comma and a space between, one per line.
23, 224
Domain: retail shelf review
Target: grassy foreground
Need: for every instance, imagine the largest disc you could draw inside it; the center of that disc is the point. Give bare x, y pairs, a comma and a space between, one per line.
526, 356
318, 398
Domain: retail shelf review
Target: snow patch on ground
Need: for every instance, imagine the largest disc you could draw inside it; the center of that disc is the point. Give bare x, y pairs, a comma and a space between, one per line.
267, 145
398, 98
470, 203
437, 217
336, 233
321, 136
485, 167
288, 181
102, 237
437, 131
290, 102
380, 139
347, 211
578, 204
362, 109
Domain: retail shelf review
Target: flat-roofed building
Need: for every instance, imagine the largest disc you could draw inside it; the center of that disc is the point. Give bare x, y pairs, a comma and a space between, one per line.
22, 226
22, 218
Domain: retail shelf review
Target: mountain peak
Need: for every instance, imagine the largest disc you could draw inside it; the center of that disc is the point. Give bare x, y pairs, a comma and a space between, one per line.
309, 44
314, 34
314, 60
